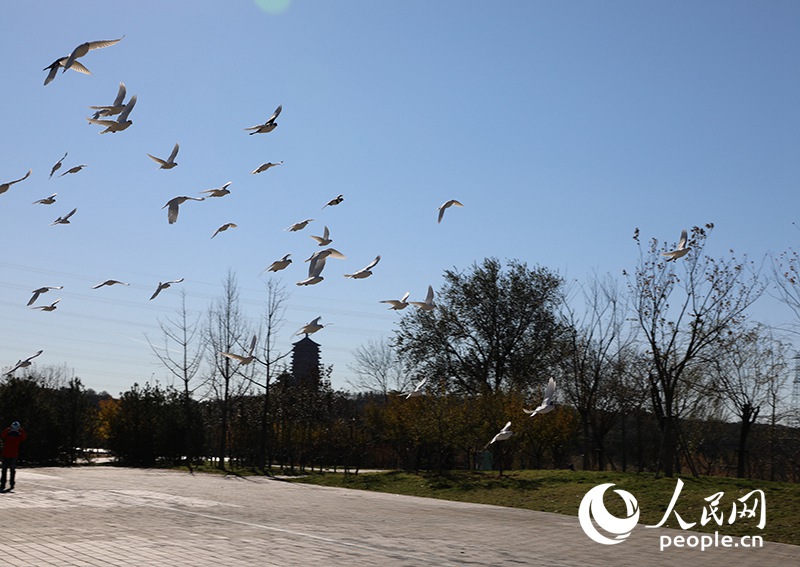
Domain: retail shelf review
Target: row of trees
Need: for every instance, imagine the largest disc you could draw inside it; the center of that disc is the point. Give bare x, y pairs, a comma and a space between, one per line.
664, 372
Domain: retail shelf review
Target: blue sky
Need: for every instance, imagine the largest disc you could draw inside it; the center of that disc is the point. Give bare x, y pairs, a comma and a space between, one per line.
561, 126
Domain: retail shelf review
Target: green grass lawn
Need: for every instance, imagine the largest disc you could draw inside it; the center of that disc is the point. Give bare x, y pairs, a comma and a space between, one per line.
562, 491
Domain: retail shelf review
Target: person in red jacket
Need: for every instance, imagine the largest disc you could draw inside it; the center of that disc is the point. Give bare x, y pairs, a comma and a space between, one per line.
12, 436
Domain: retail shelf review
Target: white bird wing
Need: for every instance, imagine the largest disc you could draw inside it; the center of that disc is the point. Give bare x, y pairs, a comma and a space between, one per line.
102, 122
506, 428
174, 153
315, 267
682, 241
393, 302
236, 357
550, 389
128, 107
120, 95
373, 263
159, 161
92, 45
405, 296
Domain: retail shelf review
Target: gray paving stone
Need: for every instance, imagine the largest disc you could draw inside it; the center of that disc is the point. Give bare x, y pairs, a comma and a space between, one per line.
111, 516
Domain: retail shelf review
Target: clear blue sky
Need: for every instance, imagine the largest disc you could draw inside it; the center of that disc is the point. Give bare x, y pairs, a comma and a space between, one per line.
561, 126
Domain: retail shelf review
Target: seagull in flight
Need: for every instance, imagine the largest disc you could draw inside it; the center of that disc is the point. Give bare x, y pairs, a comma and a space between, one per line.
174, 203
224, 227
65, 218
41, 290
428, 304
325, 239
265, 167
60, 62
547, 404
298, 225
504, 434
74, 169
366, 271
23, 363
417, 391
109, 283
244, 360
681, 250
51, 307
47, 200
279, 265
311, 328
113, 109
398, 304
5, 186
446, 205
322, 254
85, 48
335, 201
162, 286
168, 163
57, 165
121, 123
267, 126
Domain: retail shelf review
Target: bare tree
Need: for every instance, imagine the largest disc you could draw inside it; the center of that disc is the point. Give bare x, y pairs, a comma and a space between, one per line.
182, 355
683, 308
226, 331
271, 356
378, 368
594, 362
748, 367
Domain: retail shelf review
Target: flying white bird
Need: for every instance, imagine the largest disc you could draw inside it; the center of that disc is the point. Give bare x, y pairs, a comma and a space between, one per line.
314, 271
547, 403
219, 191
446, 205
85, 48
428, 304
298, 225
224, 227
5, 186
244, 360
23, 363
113, 109
504, 434
168, 163
417, 391
162, 286
267, 126
398, 304
174, 203
366, 271
74, 169
265, 167
109, 283
47, 200
311, 328
279, 265
335, 201
41, 290
57, 165
121, 123
325, 239
681, 250
51, 307
60, 62
65, 218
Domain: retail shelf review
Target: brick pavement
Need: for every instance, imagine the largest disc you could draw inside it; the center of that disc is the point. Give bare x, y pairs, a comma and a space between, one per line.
99, 516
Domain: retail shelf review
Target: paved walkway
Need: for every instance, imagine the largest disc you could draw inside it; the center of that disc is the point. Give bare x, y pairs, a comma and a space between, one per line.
103, 516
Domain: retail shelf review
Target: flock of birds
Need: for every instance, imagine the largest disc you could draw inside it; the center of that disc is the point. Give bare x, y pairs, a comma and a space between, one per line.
115, 117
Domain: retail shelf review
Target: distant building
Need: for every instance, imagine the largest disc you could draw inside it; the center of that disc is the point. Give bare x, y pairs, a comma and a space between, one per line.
305, 363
